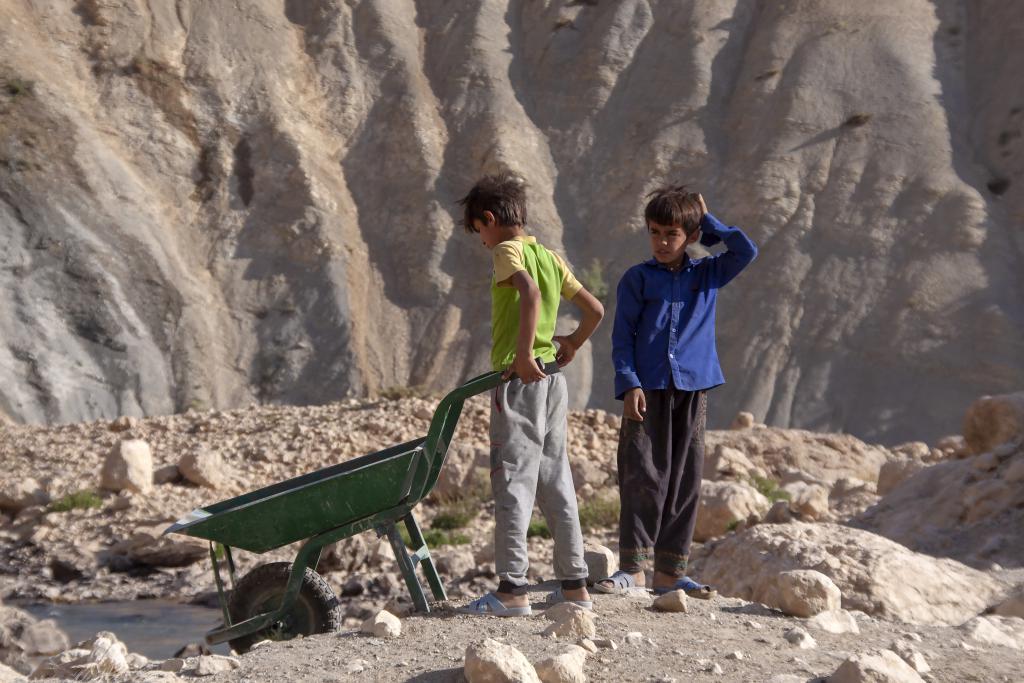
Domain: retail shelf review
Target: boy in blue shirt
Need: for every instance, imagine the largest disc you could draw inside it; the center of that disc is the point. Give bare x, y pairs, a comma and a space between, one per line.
663, 348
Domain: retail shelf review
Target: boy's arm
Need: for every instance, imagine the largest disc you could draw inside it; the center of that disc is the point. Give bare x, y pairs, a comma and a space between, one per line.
592, 311
524, 365
741, 250
629, 304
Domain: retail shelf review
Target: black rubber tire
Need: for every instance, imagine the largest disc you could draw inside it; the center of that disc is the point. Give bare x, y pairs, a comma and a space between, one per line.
316, 608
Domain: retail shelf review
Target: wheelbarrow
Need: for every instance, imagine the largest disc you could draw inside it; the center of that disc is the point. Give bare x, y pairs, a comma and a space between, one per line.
280, 600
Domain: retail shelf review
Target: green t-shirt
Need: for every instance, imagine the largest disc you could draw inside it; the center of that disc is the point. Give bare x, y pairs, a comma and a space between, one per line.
553, 278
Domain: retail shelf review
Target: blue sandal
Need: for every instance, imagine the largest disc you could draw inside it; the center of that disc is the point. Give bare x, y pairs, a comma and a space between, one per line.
701, 591
620, 580
490, 605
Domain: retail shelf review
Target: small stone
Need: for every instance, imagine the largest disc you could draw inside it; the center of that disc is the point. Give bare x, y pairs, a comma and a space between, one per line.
128, 467
743, 420
910, 654
834, 621
735, 655
801, 638
750, 623
605, 644
562, 610
673, 601
174, 665
803, 593
716, 669
168, 474
492, 662
634, 638
564, 668
22, 494
576, 624
587, 644
210, 665
137, 661
205, 468
877, 666
356, 666
384, 624
601, 562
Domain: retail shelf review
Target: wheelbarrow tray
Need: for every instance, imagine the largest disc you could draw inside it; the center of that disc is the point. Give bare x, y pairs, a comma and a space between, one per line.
307, 505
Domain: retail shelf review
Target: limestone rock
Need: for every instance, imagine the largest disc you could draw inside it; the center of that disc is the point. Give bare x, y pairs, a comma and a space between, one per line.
575, 624
491, 661
895, 471
876, 667
104, 655
211, 665
743, 420
871, 572
205, 468
455, 562
800, 638
993, 420
996, 630
955, 509
911, 655
128, 467
384, 624
634, 638
801, 593
9, 675
727, 462
15, 496
723, 503
43, 638
563, 668
673, 601
601, 562
836, 621
562, 610
808, 500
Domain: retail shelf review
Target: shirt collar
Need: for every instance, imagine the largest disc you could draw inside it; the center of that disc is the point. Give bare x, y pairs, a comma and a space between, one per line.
528, 239
682, 266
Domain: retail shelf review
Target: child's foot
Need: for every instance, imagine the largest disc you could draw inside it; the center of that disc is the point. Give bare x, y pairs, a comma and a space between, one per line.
577, 596
620, 581
492, 604
694, 589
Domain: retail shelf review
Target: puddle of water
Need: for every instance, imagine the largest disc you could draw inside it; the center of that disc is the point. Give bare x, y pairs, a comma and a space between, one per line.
154, 628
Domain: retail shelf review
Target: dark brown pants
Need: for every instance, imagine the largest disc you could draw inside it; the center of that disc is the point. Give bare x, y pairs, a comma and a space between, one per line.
661, 461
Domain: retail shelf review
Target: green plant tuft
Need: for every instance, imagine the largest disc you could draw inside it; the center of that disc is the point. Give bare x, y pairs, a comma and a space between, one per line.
86, 499
769, 488
600, 513
538, 527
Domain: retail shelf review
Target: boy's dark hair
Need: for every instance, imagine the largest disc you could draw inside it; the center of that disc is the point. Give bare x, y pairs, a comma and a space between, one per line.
503, 194
673, 205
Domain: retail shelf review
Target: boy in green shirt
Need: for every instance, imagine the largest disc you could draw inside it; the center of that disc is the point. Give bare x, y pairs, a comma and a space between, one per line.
529, 461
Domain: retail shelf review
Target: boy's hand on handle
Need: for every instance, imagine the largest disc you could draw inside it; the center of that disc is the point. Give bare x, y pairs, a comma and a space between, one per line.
526, 369
634, 404
566, 350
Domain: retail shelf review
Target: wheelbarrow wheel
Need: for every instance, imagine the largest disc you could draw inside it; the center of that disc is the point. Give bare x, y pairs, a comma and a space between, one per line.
316, 608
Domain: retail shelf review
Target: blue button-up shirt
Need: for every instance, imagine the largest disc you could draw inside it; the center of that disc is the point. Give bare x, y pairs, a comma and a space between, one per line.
664, 332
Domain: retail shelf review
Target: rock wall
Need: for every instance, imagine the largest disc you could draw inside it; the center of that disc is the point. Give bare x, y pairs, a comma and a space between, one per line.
208, 204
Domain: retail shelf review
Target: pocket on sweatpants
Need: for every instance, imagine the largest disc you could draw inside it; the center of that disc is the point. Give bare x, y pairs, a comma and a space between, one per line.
502, 469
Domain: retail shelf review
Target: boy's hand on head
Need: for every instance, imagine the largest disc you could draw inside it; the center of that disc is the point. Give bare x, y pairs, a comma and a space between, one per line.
526, 369
634, 404
703, 206
566, 350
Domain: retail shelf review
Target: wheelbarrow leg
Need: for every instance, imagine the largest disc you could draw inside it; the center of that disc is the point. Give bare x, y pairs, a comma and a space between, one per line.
405, 563
426, 561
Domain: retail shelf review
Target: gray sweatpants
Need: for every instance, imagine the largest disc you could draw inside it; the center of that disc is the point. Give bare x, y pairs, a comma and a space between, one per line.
529, 462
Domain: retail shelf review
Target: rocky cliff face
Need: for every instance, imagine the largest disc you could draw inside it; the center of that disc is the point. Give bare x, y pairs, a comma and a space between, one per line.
212, 204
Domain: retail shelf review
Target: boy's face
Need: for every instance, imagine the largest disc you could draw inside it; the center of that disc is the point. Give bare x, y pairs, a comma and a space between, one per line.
669, 242
490, 233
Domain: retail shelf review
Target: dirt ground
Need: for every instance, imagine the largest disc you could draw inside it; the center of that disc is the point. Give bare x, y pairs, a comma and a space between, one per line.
744, 639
